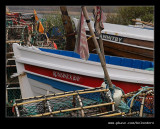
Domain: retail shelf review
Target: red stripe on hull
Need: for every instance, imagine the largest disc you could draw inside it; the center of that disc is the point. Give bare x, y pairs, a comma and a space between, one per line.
128, 87
81, 79
70, 77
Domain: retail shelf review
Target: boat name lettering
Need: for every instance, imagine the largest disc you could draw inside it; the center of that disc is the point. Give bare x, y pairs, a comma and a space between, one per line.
112, 38
66, 76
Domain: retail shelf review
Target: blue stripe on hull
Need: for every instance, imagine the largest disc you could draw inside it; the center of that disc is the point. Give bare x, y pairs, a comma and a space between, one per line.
64, 86
55, 84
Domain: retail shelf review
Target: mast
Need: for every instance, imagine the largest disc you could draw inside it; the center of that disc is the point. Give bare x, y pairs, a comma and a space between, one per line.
70, 35
97, 48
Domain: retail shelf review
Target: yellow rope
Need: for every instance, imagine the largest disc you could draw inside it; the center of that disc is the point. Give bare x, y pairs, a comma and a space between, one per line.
90, 37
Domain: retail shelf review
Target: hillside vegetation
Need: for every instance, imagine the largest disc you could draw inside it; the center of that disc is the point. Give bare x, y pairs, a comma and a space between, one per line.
115, 14
126, 14
50, 9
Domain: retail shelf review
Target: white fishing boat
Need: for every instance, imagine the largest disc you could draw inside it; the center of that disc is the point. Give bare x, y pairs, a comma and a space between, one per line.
124, 41
42, 71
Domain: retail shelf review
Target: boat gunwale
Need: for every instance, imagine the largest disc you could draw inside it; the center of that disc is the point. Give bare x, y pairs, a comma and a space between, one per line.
127, 35
86, 62
120, 33
126, 44
49, 65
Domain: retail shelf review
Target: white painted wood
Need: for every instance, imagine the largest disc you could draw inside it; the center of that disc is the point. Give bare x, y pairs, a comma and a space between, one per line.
123, 30
39, 88
23, 80
33, 56
88, 68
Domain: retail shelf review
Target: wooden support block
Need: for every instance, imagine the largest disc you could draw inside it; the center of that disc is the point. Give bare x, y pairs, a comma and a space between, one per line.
132, 113
11, 66
115, 114
80, 102
9, 53
131, 105
13, 41
141, 109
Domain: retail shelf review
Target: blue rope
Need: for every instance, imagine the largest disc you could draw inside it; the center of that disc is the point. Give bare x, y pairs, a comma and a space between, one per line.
124, 107
112, 90
143, 89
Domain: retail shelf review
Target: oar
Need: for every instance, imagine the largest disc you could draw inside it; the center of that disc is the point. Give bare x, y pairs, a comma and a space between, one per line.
97, 47
147, 23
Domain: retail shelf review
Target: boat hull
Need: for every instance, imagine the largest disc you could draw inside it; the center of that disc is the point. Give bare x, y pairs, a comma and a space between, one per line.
64, 81
58, 73
130, 48
124, 41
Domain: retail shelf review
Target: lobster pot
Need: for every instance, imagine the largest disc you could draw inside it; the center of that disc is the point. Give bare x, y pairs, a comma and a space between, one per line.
148, 108
80, 103
143, 103
18, 32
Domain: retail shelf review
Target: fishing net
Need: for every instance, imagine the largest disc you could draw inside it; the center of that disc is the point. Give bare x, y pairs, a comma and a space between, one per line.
141, 104
81, 103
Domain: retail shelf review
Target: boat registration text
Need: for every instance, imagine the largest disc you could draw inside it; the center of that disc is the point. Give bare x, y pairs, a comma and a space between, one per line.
112, 38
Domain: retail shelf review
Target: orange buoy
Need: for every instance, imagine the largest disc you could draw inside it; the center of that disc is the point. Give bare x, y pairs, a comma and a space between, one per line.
55, 46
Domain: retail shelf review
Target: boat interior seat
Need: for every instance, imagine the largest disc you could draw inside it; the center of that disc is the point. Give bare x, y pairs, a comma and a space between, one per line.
93, 57
115, 60
75, 55
137, 64
50, 50
127, 62
147, 64
67, 53
107, 58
